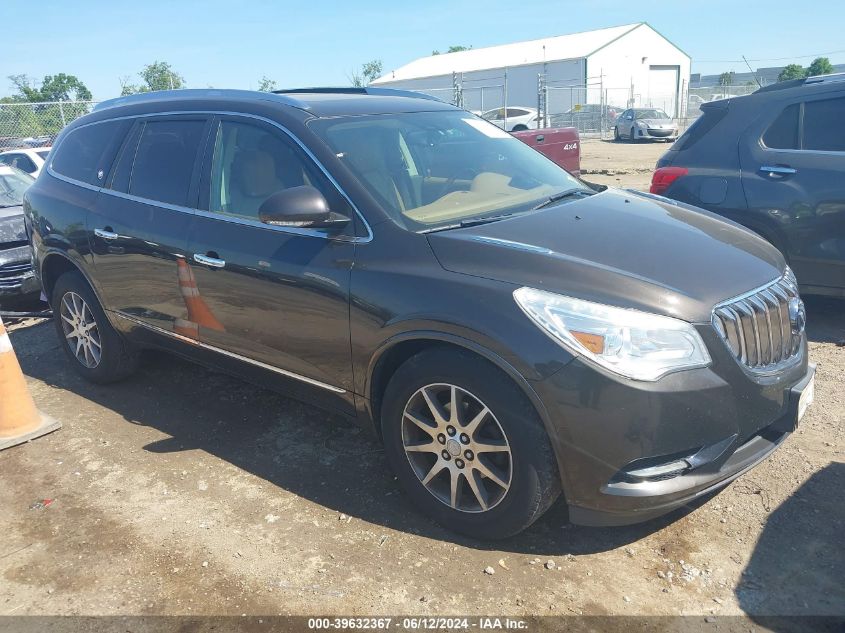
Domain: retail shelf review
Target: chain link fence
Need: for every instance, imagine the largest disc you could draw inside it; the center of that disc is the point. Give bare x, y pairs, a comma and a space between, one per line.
590, 107
24, 125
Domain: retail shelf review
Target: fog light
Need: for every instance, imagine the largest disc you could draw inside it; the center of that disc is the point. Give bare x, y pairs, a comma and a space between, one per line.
663, 471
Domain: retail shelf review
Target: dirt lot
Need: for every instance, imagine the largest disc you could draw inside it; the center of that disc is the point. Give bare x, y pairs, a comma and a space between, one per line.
622, 164
182, 491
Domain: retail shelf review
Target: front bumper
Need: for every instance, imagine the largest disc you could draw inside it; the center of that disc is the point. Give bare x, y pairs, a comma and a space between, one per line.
17, 278
721, 419
666, 134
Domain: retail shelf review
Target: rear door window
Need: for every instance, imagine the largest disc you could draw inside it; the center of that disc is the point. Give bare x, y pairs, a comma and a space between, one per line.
164, 162
824, 125
86, 152
783, 132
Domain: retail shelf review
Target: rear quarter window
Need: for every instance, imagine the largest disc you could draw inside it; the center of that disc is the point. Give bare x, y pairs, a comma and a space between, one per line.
699, 128
86, 152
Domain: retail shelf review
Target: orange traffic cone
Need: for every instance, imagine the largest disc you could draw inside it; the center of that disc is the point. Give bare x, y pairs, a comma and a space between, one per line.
20, 421
188, 329
198, 311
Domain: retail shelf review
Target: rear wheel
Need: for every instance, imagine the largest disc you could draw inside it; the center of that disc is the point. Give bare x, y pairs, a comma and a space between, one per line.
95, 349
467, 446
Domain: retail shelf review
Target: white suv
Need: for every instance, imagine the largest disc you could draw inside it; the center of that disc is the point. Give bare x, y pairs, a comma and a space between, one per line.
27, 160
512, 119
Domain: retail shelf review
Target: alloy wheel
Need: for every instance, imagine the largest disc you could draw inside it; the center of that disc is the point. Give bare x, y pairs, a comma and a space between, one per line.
457, 448
80, 329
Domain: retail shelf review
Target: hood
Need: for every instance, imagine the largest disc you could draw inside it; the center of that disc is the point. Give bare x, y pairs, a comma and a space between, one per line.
657, 123
619, 248
11, 225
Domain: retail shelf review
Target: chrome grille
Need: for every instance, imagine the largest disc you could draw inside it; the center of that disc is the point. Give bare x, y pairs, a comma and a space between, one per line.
758, 327
13, 275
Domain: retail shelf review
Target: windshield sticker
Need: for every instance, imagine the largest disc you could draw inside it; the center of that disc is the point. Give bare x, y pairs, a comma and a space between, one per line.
488, 129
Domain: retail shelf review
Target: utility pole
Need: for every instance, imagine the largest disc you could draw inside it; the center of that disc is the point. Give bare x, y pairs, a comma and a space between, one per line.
753, 74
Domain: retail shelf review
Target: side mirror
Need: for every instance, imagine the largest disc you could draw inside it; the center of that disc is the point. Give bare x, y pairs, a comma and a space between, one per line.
302, 207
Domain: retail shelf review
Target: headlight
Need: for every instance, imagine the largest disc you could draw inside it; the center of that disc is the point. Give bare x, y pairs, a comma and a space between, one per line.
631, 343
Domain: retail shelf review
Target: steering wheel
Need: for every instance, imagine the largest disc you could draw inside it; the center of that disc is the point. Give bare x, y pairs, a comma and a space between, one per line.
464, 170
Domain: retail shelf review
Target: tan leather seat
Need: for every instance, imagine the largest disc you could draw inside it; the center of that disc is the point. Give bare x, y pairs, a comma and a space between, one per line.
254, 179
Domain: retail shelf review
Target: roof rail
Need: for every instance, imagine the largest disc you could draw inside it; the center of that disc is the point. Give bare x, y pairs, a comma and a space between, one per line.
794, 83
823, 79
191, 93
352, 90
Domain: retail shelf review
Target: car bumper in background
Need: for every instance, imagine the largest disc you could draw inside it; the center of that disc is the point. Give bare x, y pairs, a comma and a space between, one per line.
658, 134
16, 276
629, 452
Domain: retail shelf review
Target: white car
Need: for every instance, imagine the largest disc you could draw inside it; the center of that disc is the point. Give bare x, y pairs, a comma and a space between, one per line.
27, 160
512, 119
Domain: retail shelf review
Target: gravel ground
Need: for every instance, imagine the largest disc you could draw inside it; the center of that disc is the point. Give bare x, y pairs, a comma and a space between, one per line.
620, 164
182, 491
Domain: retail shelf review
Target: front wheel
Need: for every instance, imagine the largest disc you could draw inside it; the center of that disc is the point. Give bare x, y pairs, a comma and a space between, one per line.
95, 349
467, 446
616, 133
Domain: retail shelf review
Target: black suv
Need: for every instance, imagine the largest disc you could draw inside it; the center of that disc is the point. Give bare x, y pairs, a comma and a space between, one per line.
773, 161
508, 331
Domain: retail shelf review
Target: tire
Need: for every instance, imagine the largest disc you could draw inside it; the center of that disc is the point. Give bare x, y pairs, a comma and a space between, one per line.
519, 128
631, 138
523, 459
616, 136
115, 359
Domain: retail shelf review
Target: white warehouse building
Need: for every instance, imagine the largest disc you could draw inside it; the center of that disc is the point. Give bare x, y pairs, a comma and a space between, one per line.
622, 66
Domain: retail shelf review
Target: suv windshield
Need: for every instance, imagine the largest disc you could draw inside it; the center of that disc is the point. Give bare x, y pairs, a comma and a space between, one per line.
650, 114
13, 183
435, 169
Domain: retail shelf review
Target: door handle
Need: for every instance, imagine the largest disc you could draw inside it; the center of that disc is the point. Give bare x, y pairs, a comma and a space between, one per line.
540, 138
106, 234
211, 262
778, 170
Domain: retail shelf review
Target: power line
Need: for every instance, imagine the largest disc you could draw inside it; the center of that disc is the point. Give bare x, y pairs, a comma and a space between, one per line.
764, 59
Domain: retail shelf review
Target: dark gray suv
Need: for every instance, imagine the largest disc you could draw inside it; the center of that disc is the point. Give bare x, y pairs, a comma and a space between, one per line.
773, 161
508, 332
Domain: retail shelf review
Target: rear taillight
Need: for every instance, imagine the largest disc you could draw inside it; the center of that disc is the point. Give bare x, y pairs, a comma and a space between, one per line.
665, 176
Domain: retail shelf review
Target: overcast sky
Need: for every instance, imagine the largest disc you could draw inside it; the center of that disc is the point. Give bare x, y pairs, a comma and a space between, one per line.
232, 45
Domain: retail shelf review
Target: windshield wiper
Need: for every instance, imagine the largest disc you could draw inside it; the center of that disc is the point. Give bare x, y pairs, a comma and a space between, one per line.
487, 220
557, 197
471, 222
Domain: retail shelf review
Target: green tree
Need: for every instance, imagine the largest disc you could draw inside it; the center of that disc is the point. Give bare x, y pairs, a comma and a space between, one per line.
369, 71
59, 87
64, 87
820, 66
453, 49
46, 117
155, 76
266, 84
726, 79
792, 71
26, 91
